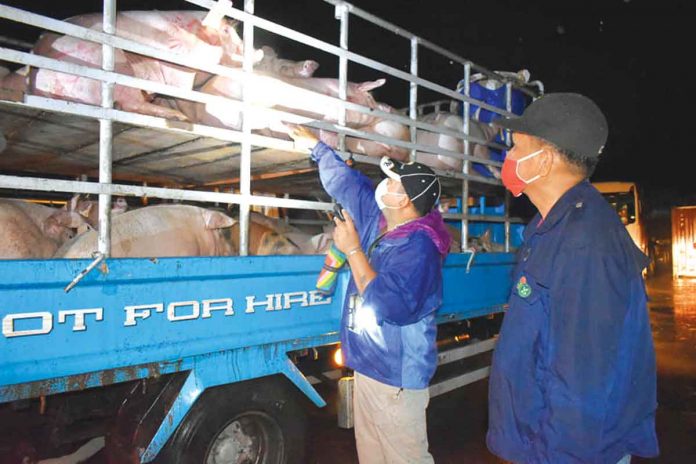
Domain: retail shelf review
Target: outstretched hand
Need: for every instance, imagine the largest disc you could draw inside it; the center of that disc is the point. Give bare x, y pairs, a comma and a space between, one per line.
303, 137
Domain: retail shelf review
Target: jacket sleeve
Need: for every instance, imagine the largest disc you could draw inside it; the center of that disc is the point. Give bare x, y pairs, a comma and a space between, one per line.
406, 279
588, 303
349, 187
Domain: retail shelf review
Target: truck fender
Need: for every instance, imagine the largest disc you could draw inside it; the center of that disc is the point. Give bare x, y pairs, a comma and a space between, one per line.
157, 413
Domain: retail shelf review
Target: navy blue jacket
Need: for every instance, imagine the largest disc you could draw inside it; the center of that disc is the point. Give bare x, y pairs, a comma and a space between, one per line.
573, 375
389, 333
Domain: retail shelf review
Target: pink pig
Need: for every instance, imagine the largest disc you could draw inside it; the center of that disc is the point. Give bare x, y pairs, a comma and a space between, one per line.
159, 231
30, 230
181, 32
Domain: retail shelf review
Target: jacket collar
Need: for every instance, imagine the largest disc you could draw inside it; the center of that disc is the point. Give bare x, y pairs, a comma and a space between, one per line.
569, 199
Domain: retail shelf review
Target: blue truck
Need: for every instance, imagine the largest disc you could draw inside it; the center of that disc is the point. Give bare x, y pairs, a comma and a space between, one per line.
212, 359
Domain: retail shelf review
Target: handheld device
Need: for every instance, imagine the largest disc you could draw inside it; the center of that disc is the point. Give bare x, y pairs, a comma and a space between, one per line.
338, 212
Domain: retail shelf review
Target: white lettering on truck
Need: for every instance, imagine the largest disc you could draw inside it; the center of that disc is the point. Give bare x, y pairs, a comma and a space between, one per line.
42, 322
9, 328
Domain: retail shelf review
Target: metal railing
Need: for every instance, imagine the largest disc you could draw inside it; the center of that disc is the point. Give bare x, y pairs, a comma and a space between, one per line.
106, 114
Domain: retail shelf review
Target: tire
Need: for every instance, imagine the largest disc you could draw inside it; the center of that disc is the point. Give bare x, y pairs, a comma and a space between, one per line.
261, 421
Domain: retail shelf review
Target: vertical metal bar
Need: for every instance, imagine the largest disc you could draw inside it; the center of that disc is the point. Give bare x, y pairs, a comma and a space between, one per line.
508, 107
245, 163
413, 94
465, 164
341, 13
106, 132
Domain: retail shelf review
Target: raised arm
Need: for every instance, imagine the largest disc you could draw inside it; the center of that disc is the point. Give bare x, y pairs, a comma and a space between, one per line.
349, 187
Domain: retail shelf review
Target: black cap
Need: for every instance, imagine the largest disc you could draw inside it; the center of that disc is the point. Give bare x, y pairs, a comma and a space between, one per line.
420, 182
570, 121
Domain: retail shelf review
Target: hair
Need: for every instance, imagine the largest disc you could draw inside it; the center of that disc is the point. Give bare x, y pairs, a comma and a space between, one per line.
585, 165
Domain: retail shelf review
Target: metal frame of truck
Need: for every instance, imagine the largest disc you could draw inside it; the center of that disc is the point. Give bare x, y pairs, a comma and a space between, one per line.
200, 327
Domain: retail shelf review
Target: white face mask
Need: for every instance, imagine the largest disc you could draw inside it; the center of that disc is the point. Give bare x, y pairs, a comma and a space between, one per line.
382, 190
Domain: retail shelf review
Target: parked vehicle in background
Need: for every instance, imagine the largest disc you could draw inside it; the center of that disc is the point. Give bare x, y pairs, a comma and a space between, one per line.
625, 198
684, 241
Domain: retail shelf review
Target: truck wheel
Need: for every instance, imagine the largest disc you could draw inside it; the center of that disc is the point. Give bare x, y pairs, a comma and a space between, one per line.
255, 422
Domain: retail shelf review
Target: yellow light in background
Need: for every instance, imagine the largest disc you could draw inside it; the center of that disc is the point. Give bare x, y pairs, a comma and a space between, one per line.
684, 241
338, 357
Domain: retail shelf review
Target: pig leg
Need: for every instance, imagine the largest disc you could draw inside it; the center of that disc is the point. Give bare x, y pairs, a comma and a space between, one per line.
133, 100
13, 86
75, 88
329, 138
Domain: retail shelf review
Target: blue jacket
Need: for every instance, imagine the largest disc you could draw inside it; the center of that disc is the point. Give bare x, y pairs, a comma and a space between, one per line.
389, 333
573, 375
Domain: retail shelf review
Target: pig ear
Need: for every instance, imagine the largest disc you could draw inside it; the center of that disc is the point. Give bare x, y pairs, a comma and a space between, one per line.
84, 209
72, 204
258, 56
267, 51
371, 85
55, 223
217, 220
71, 220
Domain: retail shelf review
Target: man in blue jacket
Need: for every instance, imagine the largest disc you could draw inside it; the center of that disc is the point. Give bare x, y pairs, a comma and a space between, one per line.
573, 375
395, 242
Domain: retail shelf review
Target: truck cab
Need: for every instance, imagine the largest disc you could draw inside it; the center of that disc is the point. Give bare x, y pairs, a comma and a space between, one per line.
624, 197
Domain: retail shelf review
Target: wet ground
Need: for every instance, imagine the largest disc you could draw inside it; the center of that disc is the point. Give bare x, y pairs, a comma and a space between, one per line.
457, 421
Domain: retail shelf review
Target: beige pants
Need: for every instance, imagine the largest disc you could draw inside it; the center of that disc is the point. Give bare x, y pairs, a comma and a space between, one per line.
390, 423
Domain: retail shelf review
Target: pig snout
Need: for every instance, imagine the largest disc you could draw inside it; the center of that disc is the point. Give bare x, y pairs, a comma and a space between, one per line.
307, 68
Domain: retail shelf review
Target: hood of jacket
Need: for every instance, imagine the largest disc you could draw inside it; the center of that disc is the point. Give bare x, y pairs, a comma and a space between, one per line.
432, 224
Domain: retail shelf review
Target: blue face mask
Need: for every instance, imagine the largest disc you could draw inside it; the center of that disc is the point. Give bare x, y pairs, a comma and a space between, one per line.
382, 190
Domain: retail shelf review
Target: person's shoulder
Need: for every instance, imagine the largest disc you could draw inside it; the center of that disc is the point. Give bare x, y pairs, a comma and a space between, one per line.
592, 222
415, 241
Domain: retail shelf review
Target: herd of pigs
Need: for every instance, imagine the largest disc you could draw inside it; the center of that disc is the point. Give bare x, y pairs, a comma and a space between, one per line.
30, 230
277, 84
35, 231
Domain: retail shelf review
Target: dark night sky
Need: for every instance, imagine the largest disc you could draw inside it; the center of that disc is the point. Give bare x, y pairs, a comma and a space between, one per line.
629, 56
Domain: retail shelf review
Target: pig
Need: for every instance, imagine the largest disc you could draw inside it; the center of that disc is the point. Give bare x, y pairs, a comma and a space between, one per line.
160, 231
280, 93
305, 243
265, 241
30, 230
379, 126
453, 122
356, 92
268, 236
89, 209
396, 130
182, 32
478, 243
302, 242
270, 63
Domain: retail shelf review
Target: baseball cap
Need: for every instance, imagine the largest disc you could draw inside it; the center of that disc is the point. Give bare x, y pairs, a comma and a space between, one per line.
420, 182
570, 121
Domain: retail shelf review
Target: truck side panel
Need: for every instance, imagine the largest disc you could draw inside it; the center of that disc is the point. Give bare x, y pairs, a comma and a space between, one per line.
136, 318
